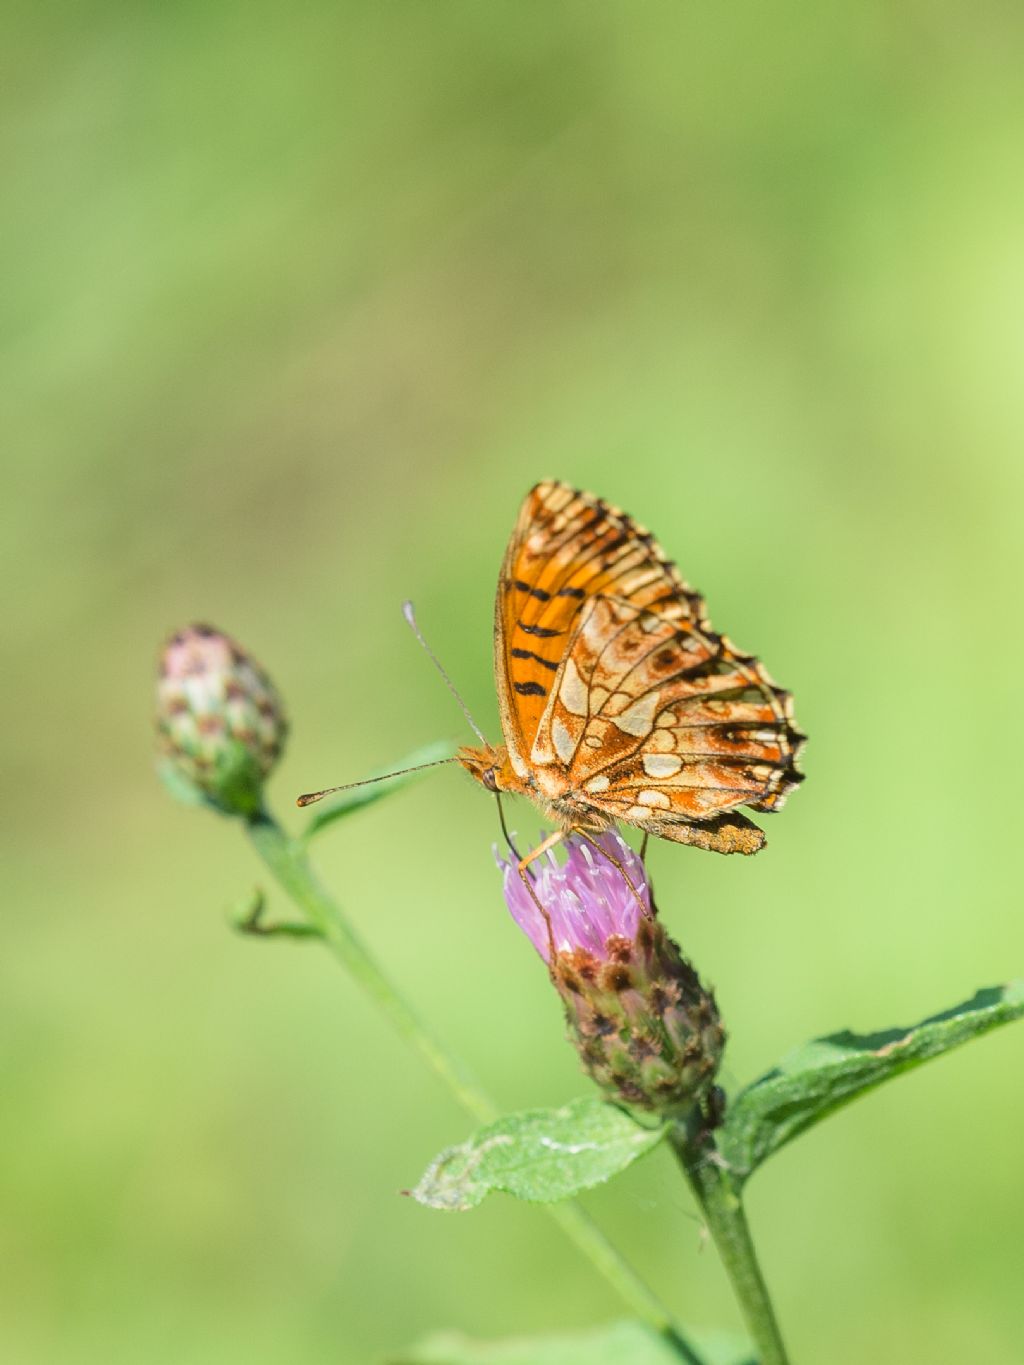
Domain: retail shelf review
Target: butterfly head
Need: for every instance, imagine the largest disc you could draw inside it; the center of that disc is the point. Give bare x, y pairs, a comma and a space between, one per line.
491, 768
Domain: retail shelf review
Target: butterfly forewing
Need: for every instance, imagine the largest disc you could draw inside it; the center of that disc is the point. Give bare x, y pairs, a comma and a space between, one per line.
614, 690
567, 549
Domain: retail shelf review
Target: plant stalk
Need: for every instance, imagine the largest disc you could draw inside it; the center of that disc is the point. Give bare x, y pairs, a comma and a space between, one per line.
721, 1203
287, 860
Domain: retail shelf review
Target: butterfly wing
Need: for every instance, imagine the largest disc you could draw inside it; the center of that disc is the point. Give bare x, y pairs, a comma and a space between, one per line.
615, 690
567, 549
681, 729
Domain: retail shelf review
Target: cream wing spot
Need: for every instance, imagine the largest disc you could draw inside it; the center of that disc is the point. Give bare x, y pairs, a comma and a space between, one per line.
661, 742
598, 784
655, 798
638, 719
516, 759
573, 692
631, 584
641, 814
662, 765
565, 745
616, 703
538, 754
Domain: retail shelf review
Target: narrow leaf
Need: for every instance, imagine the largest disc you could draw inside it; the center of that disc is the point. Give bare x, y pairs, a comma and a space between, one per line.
344, 803
618, 1343
540, 1155
247, 918
829, 1072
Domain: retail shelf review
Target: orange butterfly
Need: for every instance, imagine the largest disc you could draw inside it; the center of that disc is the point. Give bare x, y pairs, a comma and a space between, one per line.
618, 701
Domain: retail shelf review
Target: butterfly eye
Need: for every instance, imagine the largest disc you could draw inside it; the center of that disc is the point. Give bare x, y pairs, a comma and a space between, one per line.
489, 778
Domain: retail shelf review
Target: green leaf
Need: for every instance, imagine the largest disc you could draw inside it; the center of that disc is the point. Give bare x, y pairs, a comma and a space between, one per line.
829, 1072
344, 803
540, 1155
618, 1343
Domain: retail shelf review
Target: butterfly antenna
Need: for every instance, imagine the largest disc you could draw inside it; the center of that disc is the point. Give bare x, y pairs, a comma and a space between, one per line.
410, 618
310, 797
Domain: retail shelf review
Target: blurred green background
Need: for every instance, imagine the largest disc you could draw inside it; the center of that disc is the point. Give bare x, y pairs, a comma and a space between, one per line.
298, 302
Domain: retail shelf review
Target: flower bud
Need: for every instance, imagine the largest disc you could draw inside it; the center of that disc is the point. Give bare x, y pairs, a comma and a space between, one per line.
645, 1028
220, 724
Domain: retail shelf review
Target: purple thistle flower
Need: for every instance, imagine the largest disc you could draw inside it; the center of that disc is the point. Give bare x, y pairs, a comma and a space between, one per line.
587, 897
645, 1028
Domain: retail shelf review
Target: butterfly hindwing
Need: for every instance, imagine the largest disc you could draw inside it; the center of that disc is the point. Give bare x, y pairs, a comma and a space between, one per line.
654, 720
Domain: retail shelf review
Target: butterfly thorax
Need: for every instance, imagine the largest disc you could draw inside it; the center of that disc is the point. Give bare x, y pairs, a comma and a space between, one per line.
493, 769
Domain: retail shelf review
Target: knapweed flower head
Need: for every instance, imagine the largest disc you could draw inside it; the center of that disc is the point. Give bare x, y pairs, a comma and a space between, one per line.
220, 723
587, 899
645, 1028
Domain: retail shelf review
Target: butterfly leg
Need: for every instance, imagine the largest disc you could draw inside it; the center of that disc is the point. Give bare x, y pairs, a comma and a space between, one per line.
528, 882
582, 833
541, 849
521, 868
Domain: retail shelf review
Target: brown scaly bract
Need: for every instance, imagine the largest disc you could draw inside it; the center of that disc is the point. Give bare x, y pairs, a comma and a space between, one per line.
645, 1028
618, 701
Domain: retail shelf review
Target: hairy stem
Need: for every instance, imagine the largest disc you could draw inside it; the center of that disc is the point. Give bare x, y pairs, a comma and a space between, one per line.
289, 863
722, 1205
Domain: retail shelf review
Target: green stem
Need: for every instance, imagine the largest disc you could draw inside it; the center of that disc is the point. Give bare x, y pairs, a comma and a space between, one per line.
287, 859
720, 1200
292, 869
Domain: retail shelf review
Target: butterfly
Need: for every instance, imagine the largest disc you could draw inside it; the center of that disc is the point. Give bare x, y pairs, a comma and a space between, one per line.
618, 701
